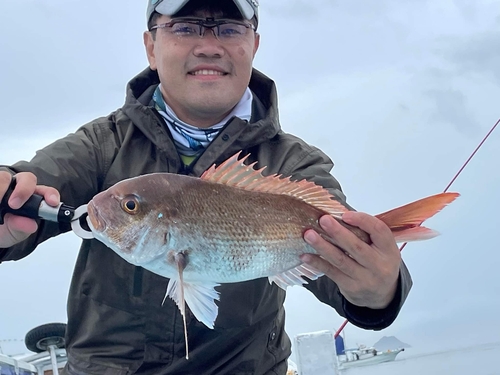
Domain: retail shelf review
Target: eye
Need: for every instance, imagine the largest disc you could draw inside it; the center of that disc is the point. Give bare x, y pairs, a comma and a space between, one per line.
130, 205
230, 29
185, 29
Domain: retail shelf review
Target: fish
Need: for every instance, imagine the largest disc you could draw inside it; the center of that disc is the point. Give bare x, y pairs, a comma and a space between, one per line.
230, 225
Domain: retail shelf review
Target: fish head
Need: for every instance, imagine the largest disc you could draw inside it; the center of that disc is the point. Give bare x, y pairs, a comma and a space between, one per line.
134, 218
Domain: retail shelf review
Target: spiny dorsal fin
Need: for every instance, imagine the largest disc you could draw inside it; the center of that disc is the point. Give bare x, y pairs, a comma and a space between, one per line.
233, 172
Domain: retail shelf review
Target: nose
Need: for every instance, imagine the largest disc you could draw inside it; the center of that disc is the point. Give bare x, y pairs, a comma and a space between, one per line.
209, 45
213, 30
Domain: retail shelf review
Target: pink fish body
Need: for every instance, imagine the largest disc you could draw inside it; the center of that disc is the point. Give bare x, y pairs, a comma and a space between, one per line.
231, 225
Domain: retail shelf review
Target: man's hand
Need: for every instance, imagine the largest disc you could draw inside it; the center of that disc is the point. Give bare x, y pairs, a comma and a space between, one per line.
368, 274
16, 228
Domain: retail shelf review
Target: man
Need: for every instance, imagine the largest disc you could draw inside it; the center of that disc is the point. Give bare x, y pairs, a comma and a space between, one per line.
199, 102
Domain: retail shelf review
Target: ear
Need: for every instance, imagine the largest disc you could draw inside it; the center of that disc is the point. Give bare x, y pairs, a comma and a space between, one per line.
256, 43
149, 44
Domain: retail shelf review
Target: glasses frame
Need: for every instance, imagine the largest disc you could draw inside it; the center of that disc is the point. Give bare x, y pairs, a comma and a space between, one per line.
205, 23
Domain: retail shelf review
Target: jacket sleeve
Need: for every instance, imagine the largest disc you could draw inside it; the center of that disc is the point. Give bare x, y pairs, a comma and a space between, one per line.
316, 166
74, 165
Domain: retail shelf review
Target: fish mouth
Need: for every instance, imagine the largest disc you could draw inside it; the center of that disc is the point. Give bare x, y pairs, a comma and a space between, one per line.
96, 223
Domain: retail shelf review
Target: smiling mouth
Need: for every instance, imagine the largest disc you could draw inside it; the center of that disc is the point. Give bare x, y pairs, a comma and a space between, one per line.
207, 72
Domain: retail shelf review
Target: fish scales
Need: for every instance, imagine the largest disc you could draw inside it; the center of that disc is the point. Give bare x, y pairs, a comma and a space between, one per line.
231, 225
232, 234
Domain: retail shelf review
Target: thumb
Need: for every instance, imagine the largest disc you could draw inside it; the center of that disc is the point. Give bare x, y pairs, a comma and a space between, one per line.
16, 229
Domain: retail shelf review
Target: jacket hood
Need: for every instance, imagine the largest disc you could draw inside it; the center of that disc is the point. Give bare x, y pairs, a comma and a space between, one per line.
263, 126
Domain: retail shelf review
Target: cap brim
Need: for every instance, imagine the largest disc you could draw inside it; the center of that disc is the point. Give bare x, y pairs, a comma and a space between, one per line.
171, 7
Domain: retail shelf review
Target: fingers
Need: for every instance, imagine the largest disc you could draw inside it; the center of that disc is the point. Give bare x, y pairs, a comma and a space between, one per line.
334, 259
328, 269
16, 228
26, 186
5, 179
365, 272
51, 195
346, 240
379, 232
20, 227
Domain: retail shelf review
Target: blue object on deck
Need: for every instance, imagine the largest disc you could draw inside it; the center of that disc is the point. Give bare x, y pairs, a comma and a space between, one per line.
339, 345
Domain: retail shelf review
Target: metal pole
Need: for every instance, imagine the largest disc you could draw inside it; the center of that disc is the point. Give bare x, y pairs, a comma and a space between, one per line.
53, 359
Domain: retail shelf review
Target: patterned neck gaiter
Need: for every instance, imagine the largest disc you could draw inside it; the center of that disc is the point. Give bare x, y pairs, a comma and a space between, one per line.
191, 140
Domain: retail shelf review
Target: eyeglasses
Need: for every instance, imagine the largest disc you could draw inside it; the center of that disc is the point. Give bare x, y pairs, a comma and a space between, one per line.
225, 30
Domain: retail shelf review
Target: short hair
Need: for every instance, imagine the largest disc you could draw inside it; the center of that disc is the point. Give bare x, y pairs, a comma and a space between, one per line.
153, 21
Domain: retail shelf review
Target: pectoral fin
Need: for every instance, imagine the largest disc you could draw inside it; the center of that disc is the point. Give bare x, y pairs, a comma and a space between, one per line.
294, 276
175, 290
199, 297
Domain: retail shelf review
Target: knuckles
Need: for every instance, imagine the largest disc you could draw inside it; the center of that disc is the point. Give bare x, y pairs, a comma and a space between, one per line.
380, 227
359, 246
5, 179
24, 178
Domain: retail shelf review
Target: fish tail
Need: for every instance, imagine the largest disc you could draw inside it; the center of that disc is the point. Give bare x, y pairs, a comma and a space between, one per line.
405, 221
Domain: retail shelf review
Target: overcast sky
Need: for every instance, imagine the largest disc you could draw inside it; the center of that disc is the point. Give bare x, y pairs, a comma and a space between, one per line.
398, 93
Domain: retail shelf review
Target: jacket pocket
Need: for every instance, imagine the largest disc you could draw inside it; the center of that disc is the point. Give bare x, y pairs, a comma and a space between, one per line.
110, 280
246, 303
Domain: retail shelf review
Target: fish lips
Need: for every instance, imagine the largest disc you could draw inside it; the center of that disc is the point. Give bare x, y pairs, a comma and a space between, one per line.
95, 222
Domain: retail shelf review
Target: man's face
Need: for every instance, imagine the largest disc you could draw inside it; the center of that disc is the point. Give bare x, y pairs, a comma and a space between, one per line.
202, 78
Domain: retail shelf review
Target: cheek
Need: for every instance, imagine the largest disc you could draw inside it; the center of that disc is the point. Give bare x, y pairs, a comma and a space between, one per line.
242, 57
169, 56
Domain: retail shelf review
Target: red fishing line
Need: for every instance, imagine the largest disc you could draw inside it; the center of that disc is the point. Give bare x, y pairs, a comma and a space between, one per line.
444, 191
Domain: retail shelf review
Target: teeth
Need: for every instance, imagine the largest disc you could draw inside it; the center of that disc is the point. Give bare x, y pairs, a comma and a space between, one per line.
207, 72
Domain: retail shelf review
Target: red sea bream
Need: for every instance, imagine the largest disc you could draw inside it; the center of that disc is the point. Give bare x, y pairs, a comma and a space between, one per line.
231, 225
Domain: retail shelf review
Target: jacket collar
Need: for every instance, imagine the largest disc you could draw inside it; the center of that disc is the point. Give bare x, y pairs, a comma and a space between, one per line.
242, 135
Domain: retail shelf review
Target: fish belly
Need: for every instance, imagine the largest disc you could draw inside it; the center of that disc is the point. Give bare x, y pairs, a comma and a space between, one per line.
234, 235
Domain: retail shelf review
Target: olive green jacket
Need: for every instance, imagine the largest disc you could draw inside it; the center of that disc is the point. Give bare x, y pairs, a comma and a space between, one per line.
116, 321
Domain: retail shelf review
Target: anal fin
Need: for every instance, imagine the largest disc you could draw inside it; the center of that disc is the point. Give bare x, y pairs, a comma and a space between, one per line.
294, 276
414, 234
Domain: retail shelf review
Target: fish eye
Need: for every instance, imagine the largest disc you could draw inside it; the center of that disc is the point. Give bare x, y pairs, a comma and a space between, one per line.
130, 205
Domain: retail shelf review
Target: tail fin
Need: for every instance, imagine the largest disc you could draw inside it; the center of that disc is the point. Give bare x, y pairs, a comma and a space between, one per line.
405, 221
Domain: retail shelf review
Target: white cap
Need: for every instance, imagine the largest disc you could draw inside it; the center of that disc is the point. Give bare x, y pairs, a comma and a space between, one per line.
248, 8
